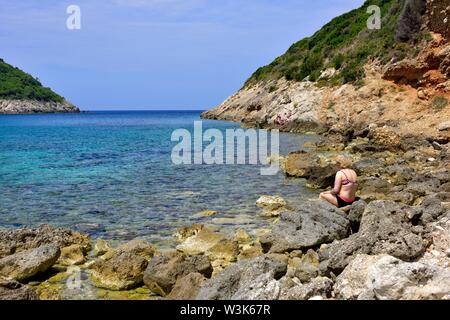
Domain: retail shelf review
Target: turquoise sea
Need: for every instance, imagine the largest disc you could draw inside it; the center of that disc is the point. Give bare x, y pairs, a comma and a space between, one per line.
110, 174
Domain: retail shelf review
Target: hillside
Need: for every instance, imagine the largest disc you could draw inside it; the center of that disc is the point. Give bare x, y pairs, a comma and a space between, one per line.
346, 76
22, 93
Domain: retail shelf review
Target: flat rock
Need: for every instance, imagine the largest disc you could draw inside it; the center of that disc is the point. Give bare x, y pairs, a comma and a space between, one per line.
26, 264
311, 225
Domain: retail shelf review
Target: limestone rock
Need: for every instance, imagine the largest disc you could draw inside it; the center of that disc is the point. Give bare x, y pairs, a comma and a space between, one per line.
25, 264
386, 228
316, 222
384, 277
187, 287
164, 271
72, 255
13, 290
318, 287
101, 247
246, 278
14, 241
200, 242
122, 268
271, 205
34, 106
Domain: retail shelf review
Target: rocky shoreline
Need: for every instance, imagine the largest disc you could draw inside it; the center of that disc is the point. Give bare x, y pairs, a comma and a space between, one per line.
393, 244
33, 106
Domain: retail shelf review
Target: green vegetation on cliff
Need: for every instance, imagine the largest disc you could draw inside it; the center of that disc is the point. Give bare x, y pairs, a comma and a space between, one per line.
18, 85
346, 44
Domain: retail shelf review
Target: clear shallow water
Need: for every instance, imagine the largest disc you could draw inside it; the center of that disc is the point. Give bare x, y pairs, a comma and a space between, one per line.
110, 174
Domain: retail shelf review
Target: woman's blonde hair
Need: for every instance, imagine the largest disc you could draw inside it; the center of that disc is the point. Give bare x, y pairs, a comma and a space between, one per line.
344, 162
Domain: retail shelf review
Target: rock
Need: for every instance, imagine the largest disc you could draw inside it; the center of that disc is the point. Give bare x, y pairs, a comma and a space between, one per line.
122, 268
13, 290
101, 247
26, 264
373, 186
351, 284
300, 163
322, 177
271, 205
307, 267
206, 213
252, 250
444, 126
241, 236
263, 287
316, 222
393, 279
187, 287
356, 212
387, 278
423, 185
225, 250
35, 106
72, 255
14, 241
385, 136
386, 227
164, 271
368, 166
200, 242
318, 287
246, 278
186, 232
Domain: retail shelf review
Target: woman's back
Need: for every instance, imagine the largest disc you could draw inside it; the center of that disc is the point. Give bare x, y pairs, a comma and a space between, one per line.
349, 184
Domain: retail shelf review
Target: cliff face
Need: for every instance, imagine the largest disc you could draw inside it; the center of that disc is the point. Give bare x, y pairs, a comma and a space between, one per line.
32, 106
409, 93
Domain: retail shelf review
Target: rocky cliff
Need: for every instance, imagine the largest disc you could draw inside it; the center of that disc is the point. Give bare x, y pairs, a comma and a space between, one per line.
380, 81
34, 106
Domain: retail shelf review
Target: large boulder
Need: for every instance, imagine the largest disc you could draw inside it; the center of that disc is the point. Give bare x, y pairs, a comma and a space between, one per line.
315, 223
122, 268
247, 279
13, 290
26, 264
165, 270
386, 227
387, 278
13, 241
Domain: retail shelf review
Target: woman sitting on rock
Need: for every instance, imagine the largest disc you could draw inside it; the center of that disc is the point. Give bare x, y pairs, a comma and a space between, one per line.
345, 186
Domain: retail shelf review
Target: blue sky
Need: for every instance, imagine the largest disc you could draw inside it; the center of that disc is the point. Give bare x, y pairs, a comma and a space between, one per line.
155, 54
